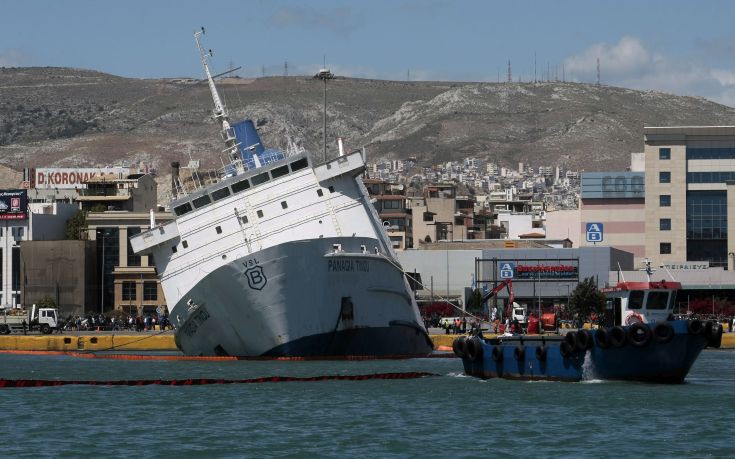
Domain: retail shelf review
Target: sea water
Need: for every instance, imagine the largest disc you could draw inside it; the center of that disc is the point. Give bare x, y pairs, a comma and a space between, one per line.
448, 415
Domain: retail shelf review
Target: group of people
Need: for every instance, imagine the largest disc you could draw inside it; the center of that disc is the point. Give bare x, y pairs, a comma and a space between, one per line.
110, 323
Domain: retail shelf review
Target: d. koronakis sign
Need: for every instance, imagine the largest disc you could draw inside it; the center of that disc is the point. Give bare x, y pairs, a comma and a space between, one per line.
73, 177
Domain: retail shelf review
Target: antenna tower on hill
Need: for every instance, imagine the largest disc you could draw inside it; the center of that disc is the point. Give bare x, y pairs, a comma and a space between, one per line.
598, 71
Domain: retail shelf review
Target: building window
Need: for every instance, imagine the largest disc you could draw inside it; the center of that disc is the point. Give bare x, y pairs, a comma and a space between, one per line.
664, 153
664, 177
706, 220
392, 204
664, 200
665, 248
128, 291
133, 259
150, 291
664, 224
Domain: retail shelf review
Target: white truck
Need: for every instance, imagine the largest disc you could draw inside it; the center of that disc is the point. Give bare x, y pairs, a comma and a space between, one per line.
44, 320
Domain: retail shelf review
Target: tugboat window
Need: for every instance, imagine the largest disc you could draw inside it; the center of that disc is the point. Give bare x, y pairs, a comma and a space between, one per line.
174, 249
636, 299
202, 201
284, 204
244, 219
319, 193
241, 185
279, 172
260, 178
219, 230
331, 189
184, 244
298, 165
260, 214
220, 194
182, 209
657, 300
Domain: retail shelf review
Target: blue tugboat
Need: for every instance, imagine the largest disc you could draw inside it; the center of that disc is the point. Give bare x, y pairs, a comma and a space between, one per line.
642, 343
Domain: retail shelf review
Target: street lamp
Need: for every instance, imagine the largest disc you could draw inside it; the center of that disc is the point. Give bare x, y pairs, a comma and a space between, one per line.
325, 74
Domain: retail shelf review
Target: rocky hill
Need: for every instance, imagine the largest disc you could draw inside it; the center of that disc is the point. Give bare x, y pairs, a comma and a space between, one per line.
69, 117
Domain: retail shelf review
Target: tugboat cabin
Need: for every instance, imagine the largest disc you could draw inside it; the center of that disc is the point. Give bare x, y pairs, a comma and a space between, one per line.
647, 302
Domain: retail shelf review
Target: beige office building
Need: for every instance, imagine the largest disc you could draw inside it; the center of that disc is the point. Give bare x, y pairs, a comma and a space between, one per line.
690, 199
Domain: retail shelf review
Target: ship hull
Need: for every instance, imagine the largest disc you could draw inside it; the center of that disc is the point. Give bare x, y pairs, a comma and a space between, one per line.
318, 297
648, 360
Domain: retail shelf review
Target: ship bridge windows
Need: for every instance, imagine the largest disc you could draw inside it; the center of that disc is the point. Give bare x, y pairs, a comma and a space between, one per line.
240, 186
220, 194
182, 209
201, 201
300, 164
657, 300
635, 300
279, 172
260, 178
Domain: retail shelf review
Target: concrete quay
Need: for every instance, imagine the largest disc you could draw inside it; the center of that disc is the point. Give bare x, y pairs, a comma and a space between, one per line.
160, 341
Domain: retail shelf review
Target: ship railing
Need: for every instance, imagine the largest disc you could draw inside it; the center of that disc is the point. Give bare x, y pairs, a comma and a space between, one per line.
198, 179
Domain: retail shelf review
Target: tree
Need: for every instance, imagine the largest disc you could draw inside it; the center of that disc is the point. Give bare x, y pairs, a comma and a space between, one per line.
46, 302
75, 225
586, 299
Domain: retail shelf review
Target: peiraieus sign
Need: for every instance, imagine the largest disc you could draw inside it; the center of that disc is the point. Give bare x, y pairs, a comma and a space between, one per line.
13, 204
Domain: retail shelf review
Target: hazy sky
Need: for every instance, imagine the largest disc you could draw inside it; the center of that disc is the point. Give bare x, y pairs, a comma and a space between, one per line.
684, 47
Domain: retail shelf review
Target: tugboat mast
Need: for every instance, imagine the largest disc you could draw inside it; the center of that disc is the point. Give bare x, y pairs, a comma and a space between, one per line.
220, 114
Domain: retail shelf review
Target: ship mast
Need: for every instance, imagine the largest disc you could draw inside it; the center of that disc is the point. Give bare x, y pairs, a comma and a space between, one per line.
220, 113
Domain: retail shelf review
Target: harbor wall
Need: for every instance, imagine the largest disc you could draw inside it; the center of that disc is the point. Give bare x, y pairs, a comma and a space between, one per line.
126, 343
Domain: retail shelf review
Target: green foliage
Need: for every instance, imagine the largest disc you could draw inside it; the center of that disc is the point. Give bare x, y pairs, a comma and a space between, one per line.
586, 299
46, 302
474, 302
75, 225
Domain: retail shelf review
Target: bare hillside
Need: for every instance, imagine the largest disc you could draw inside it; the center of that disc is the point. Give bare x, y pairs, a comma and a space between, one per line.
71, 117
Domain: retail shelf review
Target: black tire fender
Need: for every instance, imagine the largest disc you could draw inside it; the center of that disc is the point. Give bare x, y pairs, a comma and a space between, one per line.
520, 352
602, 336
618, 337
584, 340
497, 354
474, 348
541, 352
571, 339
565, 349
458, 346
695, 327
639, 334
714, 335
663, 332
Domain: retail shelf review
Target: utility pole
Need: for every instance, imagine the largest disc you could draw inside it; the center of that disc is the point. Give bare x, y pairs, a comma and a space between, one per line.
510, 77
534, 67
285, 68
598, 71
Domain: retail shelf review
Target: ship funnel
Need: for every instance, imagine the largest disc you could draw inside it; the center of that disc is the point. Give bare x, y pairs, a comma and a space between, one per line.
251, 149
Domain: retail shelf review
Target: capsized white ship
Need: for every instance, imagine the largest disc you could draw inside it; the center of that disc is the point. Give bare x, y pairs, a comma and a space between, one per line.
281, 256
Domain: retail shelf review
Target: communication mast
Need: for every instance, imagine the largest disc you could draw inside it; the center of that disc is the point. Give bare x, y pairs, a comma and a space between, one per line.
598, 71
510, 76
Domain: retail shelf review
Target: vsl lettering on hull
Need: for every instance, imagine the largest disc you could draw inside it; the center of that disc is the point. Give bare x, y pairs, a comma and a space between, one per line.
348, 265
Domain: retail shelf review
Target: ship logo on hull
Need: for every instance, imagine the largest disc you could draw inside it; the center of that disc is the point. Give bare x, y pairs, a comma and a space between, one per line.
256, 277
